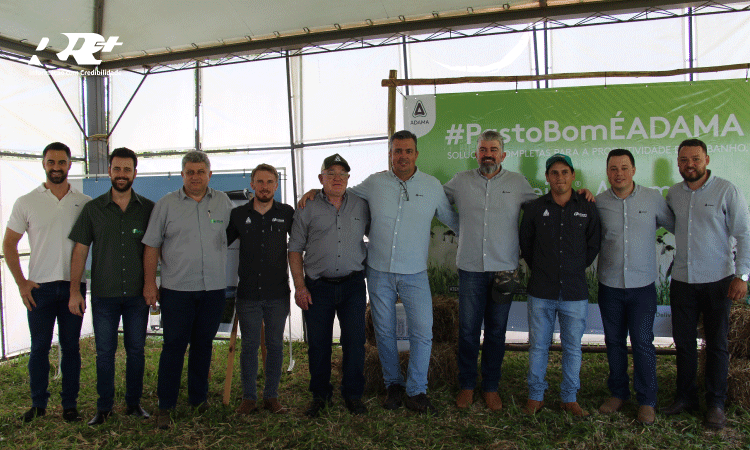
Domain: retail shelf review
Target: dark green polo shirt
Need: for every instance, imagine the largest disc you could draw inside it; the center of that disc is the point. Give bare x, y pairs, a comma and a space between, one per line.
117, 253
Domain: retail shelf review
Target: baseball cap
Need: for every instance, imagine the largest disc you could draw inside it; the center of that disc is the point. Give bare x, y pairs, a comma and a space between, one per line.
559, 157
333, 160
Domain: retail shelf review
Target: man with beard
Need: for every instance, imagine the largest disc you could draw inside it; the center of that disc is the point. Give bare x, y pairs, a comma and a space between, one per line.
47, 213
330, 232
489, 203
560, 236
262, 226
114, 223
187, 231
706, 279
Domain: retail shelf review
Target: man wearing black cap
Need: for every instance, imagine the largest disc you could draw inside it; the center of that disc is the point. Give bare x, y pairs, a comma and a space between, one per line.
559, 238
330, 233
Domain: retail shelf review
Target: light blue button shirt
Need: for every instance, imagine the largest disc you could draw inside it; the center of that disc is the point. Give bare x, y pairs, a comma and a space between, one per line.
401, 217
488, 212
705, 222
627, 258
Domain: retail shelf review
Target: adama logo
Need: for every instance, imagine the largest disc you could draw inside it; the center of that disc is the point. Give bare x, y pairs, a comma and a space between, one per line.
92, 43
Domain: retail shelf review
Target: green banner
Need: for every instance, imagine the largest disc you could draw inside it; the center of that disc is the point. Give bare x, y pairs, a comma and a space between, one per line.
585, 123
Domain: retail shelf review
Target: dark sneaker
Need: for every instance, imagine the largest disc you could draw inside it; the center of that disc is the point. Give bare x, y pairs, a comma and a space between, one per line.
420, 403
355, 406
71, 415
677, 407
393, 399
715, 418
316, 407
33, 413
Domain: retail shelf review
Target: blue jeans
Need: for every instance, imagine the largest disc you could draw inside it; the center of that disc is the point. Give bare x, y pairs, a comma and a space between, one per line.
414, 291
630, 311
252, 314
52, 304
475, 306
188, 317
572, 317
105, 315
349, 301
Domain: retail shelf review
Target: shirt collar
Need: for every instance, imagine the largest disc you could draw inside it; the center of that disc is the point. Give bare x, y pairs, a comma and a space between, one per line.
636, 188
393, 174
479, 173
183, 195
709, 180
43, 188
133, 196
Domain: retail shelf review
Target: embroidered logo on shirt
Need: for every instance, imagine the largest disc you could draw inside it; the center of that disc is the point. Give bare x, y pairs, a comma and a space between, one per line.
579, 214
546, 213
217, 221
708, 204
276, 219
642, 212
137, 231
248, 221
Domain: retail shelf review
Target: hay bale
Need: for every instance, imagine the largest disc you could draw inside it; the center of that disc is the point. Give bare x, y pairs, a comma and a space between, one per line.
738, 391
443, 367
444, 321
739, 331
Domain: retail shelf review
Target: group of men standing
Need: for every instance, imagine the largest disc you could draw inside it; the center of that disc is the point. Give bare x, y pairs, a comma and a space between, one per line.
497, 217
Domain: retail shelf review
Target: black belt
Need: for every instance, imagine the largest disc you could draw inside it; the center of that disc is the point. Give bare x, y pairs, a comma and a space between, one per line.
340, 280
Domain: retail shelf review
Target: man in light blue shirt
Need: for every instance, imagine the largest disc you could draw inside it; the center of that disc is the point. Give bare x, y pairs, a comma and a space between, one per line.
489, 201
709, 211
402, 202
630, 215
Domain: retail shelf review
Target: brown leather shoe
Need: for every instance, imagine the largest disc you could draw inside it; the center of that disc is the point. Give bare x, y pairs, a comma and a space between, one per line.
465, 398
493, 401
247, 407
646, 415
533, 406
164, 419
612, 404
574, 408
715, 418
273, 405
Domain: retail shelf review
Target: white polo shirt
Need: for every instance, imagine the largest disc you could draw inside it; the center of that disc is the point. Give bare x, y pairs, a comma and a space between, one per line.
48, 222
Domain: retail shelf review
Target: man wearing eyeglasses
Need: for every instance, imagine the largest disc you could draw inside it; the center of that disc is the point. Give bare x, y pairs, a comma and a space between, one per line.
402, 203
329, 232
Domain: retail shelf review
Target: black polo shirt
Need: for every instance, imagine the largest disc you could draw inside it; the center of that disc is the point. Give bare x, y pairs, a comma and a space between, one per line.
117, 253
263, 250
558, 244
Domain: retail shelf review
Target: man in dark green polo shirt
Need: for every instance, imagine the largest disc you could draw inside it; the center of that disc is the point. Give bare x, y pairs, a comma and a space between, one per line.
115, 223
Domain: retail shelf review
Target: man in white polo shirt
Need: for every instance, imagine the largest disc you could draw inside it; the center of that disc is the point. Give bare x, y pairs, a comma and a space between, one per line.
47, 213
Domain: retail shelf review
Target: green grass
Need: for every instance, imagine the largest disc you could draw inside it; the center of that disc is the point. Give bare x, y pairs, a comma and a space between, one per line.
476, 427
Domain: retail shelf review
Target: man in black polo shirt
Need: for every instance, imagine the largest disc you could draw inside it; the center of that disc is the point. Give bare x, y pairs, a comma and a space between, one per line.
262, 226
330, 232
559, 237
114, 223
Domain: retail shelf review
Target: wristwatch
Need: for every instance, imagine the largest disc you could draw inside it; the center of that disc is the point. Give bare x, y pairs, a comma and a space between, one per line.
743, 276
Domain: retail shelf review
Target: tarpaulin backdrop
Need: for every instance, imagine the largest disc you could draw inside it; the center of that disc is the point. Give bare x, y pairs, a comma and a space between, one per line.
650, 120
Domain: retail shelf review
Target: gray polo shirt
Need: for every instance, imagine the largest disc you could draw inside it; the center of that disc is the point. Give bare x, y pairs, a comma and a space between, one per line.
331, 238
193, 240
705, 221
627, 258
488, 212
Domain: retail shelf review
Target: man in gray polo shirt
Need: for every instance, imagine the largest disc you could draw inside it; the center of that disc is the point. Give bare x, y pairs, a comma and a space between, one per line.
489, 204
188, 229
630, 215
330, 233
708, 211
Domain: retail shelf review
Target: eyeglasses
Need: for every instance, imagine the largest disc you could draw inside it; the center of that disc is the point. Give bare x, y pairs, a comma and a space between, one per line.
342, 175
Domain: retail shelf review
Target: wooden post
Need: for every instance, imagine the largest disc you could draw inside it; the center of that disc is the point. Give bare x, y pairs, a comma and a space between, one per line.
391, 104
230, 360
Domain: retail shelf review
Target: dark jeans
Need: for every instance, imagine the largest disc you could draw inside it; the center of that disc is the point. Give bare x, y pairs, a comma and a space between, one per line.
253, 314
630, 311
474, 307
105, 315
348, 301
689, 301
188, 317
52, 304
